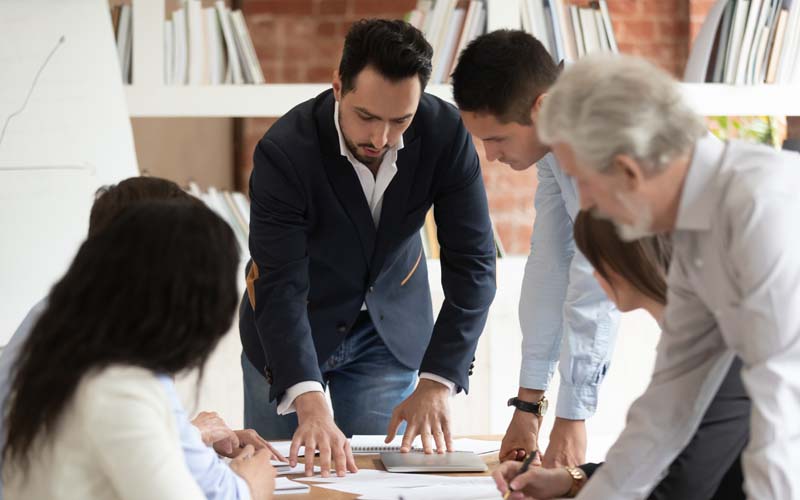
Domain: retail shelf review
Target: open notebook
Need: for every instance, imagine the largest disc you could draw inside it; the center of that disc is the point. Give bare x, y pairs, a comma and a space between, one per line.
364, 445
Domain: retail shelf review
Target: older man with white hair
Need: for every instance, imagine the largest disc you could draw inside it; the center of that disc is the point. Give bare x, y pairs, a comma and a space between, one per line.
644, 159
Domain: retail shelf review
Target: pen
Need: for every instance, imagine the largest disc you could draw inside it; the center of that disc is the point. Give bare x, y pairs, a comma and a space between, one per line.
522, 470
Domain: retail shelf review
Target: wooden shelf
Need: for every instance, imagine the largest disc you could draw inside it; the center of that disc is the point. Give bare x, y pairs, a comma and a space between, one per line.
277, 99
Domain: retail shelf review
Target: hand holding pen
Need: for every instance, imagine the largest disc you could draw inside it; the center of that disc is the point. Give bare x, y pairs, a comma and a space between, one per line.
534, 455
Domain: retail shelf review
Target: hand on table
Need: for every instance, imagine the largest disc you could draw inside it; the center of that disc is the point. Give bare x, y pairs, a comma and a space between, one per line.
427, 413
316, 430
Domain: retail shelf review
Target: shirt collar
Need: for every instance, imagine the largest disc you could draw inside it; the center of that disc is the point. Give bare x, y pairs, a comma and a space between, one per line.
699, 196
345, 151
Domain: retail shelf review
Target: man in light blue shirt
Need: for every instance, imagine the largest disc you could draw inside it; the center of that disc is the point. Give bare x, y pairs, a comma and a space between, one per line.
215, 478
566, 318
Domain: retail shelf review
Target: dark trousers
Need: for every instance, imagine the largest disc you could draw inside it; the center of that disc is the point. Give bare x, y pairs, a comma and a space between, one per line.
710, 468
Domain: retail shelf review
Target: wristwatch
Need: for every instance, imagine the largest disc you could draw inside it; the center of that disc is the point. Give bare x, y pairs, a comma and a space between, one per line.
578, 480
539, 408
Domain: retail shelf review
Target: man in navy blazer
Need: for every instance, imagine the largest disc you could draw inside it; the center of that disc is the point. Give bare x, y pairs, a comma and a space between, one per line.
337, 289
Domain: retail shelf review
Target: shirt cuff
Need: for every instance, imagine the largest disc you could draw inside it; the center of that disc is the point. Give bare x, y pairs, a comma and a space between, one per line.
576, 402
536, 374
286, 406
436, 378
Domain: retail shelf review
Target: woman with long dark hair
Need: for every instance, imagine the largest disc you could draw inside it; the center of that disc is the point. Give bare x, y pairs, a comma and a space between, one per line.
88, 417
634, 275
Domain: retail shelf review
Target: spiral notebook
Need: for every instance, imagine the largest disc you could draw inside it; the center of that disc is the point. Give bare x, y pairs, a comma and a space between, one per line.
368, 445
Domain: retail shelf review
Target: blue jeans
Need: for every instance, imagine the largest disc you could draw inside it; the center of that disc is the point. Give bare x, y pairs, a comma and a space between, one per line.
364, 379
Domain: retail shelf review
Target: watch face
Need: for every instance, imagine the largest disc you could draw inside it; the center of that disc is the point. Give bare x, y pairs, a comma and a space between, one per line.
543, 406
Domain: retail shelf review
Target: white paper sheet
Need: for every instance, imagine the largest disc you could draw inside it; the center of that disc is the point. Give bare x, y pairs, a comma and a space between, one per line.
285, 486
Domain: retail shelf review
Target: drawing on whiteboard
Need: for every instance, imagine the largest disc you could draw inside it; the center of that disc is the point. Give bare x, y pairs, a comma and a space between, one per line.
30, 90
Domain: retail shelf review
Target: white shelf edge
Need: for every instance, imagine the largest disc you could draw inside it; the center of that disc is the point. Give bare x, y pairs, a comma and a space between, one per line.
276, 99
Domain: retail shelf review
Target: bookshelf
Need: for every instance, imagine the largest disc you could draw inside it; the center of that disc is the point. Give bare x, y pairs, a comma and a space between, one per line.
147, 96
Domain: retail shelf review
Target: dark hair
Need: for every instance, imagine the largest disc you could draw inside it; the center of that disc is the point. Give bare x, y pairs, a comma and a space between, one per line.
111, 200
503, 73
395, 49
643, 263
155, 289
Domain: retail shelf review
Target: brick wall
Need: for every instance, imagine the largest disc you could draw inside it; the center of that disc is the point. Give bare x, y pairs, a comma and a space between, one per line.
300, 41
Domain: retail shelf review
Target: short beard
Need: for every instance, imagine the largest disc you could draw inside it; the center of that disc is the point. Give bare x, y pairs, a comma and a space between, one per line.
366, 161
643, 219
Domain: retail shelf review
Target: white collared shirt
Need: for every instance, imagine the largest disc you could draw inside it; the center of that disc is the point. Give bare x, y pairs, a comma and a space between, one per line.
734, 289
374, 187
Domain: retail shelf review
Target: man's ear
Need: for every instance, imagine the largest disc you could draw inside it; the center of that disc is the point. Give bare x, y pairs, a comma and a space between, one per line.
629, 170
537, 106
337, 86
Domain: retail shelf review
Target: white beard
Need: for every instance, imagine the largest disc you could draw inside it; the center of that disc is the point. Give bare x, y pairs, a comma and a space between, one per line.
643, 220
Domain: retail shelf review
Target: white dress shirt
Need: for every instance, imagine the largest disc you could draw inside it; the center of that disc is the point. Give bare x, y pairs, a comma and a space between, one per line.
117, 439
734, 289
374, 187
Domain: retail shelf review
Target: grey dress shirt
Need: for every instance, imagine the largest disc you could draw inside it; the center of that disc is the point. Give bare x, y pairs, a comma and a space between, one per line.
734, 289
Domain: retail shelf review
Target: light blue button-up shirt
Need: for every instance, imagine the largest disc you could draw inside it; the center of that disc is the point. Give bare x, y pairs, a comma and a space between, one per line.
215, 477
565, 316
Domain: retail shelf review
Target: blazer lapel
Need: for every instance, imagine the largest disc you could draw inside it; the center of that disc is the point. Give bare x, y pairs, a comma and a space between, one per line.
395, 200
343, 177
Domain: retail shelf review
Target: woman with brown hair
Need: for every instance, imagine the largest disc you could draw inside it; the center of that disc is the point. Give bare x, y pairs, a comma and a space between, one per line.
633, 274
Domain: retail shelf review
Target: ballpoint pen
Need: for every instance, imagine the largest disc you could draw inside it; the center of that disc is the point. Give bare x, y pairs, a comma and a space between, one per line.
522, 470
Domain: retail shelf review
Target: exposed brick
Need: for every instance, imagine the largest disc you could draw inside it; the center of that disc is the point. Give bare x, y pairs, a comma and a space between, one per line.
320, 74
277, 7
331, 7
327, 29
380, 7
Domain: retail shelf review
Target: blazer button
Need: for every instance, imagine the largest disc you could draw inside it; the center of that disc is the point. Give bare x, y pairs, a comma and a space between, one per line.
371, 288
341, 328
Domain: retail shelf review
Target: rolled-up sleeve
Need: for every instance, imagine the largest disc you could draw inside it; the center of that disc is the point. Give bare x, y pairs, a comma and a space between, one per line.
564, 314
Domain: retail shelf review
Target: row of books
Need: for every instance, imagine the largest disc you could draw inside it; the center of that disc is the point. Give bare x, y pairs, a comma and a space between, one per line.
233, 207
567, 30
757, 41
448, 25
122, 21
209, 46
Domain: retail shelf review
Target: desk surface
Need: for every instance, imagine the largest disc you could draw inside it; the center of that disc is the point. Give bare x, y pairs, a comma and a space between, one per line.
374, 462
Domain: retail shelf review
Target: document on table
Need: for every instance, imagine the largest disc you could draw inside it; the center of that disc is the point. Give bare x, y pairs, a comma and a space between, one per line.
284, 469
380, 485
285, 486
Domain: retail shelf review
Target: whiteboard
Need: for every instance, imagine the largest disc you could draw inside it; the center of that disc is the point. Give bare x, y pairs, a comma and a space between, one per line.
63, 135
76, 114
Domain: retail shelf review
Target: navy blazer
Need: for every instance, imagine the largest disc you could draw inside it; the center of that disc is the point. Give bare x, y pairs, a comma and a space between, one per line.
318, 255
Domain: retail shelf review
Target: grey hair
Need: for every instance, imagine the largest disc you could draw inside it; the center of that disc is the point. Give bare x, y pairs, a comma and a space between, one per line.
606, 105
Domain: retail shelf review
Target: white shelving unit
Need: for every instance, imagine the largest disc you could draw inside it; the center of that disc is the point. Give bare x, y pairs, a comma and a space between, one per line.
277, 99
229, 100
149, 97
